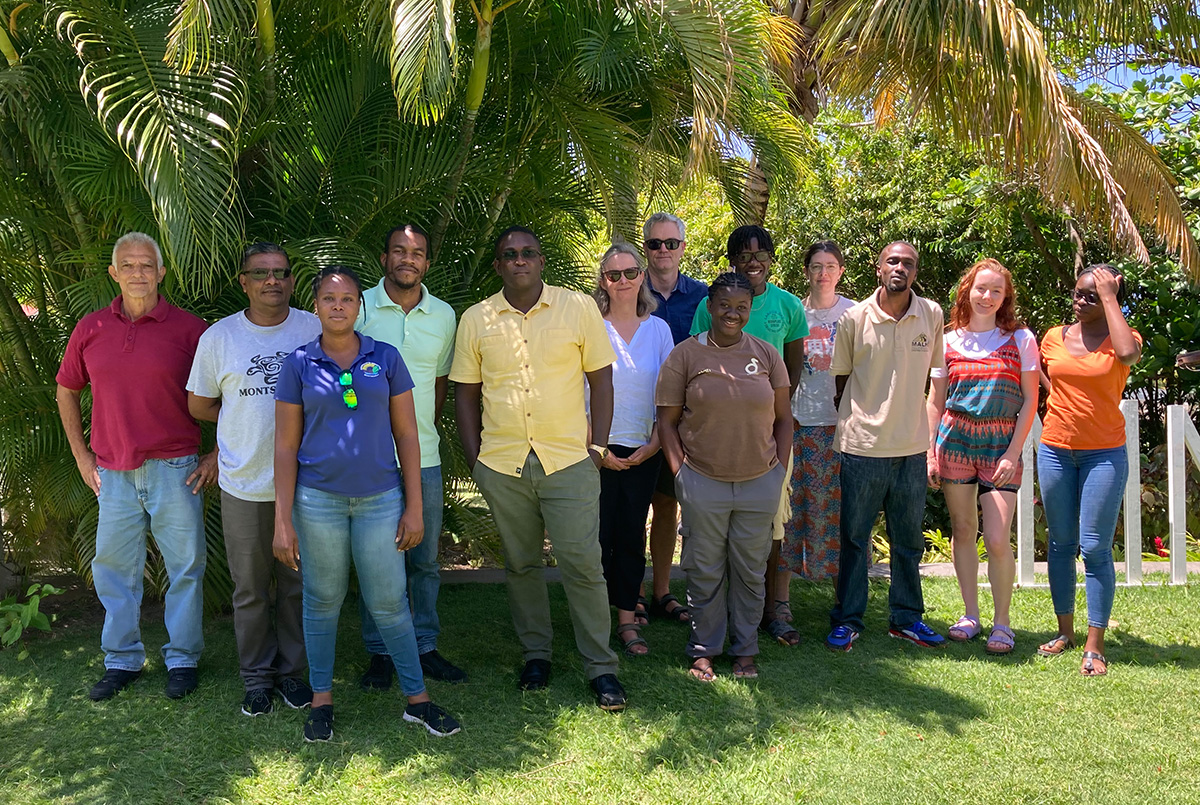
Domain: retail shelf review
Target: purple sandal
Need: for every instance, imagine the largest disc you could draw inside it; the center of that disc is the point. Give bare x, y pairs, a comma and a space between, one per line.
966, 629
1003, 636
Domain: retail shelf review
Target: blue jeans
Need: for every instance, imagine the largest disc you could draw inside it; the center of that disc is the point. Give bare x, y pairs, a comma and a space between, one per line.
1081, 492
332, 528
897, 485
424, 575
154, 497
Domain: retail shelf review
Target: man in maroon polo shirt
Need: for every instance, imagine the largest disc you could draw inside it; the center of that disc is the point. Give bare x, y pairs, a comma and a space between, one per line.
142, 463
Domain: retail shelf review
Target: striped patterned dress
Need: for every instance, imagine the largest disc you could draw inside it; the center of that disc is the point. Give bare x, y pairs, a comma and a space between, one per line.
983, 398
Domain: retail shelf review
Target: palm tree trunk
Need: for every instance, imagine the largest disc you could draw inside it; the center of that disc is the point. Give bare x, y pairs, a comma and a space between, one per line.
16, 330
485, 16
6, 47
265, 17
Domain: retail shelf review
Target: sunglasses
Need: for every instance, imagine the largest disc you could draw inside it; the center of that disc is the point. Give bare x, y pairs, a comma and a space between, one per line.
615, 275
654, 244
526, 254
349, 397
261, 274
761, 256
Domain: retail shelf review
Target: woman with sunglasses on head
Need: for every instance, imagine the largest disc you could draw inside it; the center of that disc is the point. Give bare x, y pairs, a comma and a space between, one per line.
629, 469
343, 413
725, 422
1081, 463
981, 407
811, 536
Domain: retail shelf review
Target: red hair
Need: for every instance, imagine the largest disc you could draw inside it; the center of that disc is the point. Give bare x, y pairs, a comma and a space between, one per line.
1006, 316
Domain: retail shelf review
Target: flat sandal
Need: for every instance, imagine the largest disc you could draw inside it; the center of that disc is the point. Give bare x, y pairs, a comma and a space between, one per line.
1057, 646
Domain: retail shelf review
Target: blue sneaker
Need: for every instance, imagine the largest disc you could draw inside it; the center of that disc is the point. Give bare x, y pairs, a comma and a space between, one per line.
841, 639
918, 633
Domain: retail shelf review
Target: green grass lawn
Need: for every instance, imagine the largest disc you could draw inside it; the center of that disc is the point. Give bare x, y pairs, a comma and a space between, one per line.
889, 722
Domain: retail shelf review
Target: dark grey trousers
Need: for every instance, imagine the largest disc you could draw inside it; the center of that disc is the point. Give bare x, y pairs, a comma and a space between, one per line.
268, 648
726, 540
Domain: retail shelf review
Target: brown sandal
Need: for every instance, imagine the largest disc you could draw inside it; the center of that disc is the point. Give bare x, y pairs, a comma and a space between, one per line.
1056, 646
745, 670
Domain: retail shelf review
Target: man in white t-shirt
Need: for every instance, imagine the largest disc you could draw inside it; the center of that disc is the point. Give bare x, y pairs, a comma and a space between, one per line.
232, 383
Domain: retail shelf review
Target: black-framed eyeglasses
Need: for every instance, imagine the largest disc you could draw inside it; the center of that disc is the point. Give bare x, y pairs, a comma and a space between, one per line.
349, 397
616, 274
1087, 297
654, 244
524, 254
260, 274
742, 258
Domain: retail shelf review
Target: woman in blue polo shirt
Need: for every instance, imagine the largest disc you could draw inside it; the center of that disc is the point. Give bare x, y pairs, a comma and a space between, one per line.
338, 493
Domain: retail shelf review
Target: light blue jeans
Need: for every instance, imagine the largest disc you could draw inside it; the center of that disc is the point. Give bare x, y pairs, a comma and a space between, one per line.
424, 575
1081, 492
153, 497
332, 529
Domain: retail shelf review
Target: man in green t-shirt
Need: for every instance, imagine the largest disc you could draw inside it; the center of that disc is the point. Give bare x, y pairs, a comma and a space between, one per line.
776, 317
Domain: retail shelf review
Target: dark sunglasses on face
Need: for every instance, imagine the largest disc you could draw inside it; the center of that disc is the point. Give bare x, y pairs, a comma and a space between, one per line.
615, 275
261, 274
525, 254
654, 244
349, 397
745, 257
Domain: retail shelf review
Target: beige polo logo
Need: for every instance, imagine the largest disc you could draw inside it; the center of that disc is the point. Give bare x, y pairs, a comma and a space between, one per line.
921, 343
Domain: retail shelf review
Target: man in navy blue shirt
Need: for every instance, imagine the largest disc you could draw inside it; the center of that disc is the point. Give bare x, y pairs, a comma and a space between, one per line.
678, 296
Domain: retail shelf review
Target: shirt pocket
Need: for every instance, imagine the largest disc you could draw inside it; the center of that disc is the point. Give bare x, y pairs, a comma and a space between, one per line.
500, 355
559, 348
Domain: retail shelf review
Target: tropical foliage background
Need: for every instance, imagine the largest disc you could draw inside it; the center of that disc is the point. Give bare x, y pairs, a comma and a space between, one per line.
210, 123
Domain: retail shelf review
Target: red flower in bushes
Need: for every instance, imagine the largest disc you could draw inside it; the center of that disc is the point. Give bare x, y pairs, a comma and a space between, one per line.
1158, 547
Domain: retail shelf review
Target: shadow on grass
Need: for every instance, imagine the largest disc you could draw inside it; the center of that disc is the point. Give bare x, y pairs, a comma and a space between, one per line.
143, 748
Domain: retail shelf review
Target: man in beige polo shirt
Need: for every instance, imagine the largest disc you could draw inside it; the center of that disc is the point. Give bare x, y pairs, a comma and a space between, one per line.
885, 347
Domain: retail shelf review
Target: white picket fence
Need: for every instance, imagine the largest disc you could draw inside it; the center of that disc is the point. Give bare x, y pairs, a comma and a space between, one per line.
1182, 438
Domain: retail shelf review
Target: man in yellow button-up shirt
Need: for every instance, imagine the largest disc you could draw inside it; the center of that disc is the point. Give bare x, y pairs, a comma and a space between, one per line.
520, 359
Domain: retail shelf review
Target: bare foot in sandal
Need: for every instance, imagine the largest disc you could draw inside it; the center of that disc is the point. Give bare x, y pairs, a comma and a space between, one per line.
702, 669
630, 635
744, 668
1001, 640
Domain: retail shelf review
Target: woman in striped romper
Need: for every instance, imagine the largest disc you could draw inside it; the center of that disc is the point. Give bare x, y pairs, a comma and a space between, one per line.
981, 407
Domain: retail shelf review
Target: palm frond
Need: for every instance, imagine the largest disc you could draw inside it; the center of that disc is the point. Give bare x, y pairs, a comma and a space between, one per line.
422, 53
197, 24
179, 130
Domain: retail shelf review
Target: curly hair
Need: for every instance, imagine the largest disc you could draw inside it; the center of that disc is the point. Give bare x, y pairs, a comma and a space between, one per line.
1006, 315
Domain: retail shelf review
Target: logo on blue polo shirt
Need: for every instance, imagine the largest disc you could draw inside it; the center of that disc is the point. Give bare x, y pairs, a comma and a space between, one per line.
370, 369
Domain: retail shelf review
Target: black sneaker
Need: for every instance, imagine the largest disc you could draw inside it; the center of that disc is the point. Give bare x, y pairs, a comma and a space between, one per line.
319, 724
257, 702
434, 719
379, 673
181, 682
113, 682
295, 693
610, 695
435, 666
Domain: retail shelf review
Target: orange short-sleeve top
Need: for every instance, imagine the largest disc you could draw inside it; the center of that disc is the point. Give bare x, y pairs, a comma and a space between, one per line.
1085, 392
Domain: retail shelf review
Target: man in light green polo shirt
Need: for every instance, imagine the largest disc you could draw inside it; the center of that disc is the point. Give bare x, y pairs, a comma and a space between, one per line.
402, 312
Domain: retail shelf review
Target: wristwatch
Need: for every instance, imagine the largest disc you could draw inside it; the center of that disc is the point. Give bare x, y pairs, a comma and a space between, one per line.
599, 448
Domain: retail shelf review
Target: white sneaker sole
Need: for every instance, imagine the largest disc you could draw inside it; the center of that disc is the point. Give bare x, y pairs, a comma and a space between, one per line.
436, 733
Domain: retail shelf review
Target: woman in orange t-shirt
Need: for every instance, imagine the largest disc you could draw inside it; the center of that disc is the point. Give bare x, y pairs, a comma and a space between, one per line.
1081, 462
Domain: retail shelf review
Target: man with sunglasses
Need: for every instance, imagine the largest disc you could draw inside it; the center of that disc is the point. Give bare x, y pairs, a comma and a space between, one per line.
402, 312
520, 360
678, 295
142, 463
232, 383
776, 317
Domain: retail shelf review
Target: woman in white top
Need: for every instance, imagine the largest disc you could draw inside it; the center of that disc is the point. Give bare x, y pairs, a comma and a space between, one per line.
811, 537
981, 407
629, 470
